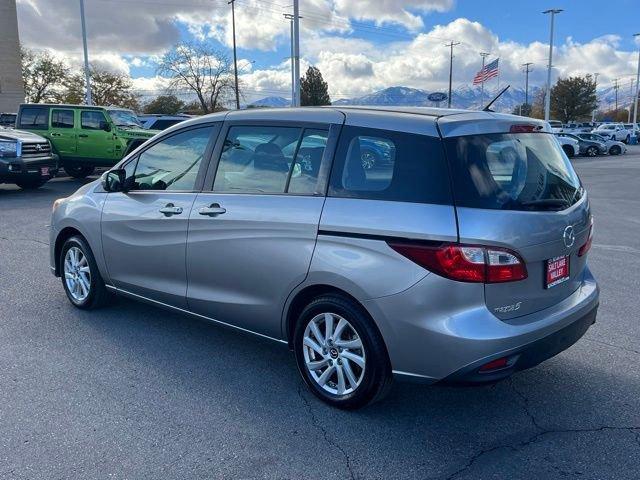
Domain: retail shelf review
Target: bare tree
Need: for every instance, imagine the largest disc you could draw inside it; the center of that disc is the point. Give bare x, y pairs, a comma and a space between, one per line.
107, 88
198, 67
43, 75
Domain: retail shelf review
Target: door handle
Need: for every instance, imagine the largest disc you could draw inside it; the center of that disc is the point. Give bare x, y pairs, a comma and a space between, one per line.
212, 210
56, 135
83, 135
170, 209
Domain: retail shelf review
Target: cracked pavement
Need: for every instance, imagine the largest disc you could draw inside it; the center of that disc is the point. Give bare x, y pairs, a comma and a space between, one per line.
136, 392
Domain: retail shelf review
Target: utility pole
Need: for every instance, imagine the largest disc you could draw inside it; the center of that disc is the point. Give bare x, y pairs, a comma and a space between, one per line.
547, 98
635, 98
289, 17
595, 81
484, 56
87, 72
615, 89
450, 45
296, 53
631, 104
526, 81
235, 56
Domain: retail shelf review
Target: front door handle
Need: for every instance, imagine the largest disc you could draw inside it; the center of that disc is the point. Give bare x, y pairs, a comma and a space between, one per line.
170, 209
55, 134
212, 210
83, 135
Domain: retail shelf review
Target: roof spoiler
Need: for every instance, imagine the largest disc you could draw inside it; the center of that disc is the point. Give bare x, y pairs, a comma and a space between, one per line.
487, 108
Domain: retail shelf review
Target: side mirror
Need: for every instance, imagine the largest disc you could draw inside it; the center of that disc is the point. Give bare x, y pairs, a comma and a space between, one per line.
114, 180
106, 126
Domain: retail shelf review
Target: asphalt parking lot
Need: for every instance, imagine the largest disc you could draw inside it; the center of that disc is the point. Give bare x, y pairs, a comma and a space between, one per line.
132, 392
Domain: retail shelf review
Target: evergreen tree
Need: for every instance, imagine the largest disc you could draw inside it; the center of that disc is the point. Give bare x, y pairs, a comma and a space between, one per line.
313, 89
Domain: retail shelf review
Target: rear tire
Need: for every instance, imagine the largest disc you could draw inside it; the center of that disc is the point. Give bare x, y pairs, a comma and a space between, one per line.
627, 140
81, 278
592, 151
353, 360
79, 171
31, 184
568, 150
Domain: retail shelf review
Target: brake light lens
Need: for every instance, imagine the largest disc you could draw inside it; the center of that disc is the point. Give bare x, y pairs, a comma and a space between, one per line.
587, 246
524, 128
465, 263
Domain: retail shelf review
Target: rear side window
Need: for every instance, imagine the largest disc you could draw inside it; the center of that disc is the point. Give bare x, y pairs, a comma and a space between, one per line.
163, 124
34, 117
62, 118
386, 165
522, 171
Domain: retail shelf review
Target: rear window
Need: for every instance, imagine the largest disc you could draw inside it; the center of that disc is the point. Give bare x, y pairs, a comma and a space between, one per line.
387, 165
34, 117
524, 171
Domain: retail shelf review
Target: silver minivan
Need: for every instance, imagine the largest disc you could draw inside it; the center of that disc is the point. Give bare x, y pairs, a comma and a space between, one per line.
424, 244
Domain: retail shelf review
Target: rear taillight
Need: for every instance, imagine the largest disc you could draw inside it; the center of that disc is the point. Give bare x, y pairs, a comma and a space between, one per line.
465, 263
587, 246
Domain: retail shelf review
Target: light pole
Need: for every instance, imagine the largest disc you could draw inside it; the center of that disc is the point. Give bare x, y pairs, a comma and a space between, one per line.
235, 57
635, 100
87, 73
595, 82
526, 83
450, 45
547, 98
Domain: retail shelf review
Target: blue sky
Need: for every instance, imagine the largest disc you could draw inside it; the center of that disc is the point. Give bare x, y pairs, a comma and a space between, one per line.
360, 46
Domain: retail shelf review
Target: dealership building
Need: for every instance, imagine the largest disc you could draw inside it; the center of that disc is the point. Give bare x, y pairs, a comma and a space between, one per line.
11, 87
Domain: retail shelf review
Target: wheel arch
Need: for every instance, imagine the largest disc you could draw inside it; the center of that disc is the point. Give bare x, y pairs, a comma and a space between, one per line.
298, 300
64, 235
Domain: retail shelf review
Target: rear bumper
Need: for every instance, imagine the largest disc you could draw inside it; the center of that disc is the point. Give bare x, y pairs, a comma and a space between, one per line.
526, 356
440, 330
26, 168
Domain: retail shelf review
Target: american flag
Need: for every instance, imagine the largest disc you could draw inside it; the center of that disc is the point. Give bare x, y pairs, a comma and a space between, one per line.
489, 71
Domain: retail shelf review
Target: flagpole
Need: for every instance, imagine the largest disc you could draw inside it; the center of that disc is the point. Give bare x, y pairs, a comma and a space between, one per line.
484, 56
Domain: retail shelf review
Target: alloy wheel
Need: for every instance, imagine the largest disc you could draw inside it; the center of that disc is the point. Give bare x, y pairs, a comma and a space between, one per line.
334, 354
77, 274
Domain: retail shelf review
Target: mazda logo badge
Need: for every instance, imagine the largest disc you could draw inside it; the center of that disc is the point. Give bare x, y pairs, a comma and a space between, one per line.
569, 237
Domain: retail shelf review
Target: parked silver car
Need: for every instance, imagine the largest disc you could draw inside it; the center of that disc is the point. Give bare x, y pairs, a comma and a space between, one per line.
461, 258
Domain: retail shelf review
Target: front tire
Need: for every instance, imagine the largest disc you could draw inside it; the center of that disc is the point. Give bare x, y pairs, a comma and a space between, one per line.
615, 150
81, 279
79, 171
340, 353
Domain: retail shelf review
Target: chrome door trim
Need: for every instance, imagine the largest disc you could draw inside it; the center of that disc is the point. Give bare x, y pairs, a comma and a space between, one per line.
197, 315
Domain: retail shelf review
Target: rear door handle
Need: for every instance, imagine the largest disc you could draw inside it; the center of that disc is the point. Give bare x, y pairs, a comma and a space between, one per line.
55, 135
83, 135
170, 209
212, 210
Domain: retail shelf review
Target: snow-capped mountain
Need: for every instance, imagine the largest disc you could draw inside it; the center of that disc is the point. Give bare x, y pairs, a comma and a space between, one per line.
272, 102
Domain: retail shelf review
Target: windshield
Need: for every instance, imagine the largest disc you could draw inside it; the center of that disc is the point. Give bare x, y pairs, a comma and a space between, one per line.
124, 118
515, 171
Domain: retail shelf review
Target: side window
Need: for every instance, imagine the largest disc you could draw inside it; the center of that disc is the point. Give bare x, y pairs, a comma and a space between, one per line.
62, 118
256, 159
34, 117
388, 165
173, 163
304, 176
92, 120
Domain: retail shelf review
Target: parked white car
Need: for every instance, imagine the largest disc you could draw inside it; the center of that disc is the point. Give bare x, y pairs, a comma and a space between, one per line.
613, 146
570, 146
633, 128
556, 126
614, 131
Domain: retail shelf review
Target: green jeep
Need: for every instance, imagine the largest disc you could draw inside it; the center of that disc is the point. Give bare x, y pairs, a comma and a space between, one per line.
84, 137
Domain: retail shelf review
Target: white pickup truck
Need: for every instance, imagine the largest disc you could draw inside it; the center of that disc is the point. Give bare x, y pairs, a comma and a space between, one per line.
614, 131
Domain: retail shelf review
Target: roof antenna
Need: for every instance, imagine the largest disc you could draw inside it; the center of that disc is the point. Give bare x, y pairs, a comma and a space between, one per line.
487, 108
